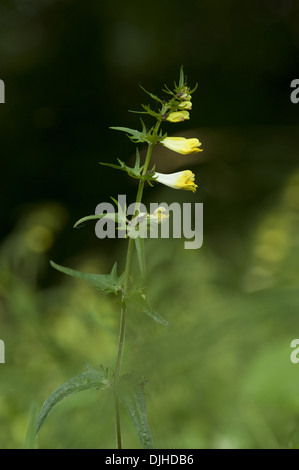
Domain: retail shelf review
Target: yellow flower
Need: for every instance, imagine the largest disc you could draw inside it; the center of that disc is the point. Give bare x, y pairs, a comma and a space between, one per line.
178, 116
159, 216
185, 105
184, 94
186, 97
179, 180
182, 145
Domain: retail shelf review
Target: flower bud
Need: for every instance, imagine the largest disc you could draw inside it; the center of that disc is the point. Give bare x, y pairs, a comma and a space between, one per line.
178, 116
185, 105
159, 216
182, 145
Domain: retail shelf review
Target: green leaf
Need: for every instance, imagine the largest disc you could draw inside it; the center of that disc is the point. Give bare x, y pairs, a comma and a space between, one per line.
121, 165
92, 378
136, 136
106, 283
193, 90
137, 167
154, 97
119, 217
134, 172
30, 440
95, 217
138, 301
167, 90
130, 393
139, 244
182, 78
133, 132
122, 212
137, 112
149, 111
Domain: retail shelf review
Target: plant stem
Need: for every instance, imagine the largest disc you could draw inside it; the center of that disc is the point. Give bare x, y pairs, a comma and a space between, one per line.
117, 422
123, 317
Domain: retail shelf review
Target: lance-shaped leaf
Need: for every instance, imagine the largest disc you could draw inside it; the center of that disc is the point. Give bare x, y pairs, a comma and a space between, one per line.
121, 214
30, 441
182, 77
91, 379
148, 109
130, 393
150, 136
151, 112
139, 244
154, 97
119, 217
133, 134
107, 216
134, 172
138, 301
106, 283
122, 166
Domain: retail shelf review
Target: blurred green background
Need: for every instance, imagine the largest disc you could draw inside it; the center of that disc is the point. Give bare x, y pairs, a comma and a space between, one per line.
220, 375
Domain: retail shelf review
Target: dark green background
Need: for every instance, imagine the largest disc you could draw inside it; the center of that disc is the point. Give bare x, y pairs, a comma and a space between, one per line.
221, 375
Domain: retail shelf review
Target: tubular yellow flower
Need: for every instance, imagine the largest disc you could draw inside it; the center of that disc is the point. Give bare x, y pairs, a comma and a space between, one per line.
178, 116
182, 145
179, 180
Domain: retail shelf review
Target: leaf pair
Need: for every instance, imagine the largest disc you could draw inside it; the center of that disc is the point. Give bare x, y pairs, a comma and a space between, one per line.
134, 172
106, 283
113, 284
133, 134
92, 378
150, 136
139, 302
128, 390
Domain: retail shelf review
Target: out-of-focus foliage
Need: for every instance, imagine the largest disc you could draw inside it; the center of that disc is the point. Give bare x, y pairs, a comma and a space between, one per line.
220, 375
